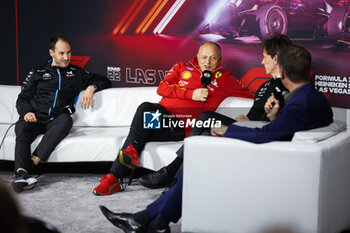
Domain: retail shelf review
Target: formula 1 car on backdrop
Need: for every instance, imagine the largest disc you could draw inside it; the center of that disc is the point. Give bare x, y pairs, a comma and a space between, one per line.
317, 19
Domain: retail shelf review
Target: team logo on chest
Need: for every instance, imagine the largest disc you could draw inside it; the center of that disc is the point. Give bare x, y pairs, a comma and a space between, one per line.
46, 76
69, 74
218, 74
186, 75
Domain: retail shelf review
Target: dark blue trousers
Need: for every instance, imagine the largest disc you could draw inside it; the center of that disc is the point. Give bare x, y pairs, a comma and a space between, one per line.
168, 205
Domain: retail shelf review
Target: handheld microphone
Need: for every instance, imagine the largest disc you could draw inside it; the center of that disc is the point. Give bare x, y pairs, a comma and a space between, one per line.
279, 95
206, 78
69, 109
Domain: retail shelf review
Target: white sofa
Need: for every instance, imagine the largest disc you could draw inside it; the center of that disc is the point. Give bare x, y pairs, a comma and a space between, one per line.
301, 186
98, 133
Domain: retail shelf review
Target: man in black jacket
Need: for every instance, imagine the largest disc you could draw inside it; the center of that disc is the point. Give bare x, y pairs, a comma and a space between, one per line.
45, 104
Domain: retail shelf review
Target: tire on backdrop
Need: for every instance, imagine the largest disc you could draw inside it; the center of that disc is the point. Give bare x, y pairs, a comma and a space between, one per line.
272, 19
338, 22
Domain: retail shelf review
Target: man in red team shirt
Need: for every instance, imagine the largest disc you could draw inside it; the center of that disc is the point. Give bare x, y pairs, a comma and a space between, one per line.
183, 99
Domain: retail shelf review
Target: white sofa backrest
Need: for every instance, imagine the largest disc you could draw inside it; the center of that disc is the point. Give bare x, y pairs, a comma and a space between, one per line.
114, 106
117, 106
8, 98
319, 134
235, 106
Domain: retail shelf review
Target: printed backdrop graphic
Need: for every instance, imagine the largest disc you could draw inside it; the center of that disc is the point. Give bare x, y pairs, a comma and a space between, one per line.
135, 43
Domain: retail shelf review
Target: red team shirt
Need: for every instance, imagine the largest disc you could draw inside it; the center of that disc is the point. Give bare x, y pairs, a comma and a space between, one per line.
178, 86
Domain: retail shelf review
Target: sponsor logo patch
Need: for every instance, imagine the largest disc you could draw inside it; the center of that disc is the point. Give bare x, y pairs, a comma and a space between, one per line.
46, 76
186, 75
70, 74
214, 83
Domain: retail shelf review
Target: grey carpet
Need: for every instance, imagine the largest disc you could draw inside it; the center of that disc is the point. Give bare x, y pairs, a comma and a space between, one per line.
66, 201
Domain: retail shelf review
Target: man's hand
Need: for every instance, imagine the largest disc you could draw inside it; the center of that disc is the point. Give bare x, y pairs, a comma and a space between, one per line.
218, 131
30, 117
271, 107
88, 97
200, 94
242, 118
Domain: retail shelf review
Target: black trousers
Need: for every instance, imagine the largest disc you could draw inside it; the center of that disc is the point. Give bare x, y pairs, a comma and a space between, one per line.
26, 132
138, 135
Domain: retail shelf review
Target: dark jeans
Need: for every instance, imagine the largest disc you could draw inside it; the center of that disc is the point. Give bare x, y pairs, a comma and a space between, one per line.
26, 132
168, 205
138, 136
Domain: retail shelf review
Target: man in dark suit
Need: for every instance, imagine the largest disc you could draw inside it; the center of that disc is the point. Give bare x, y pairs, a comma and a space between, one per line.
305, 109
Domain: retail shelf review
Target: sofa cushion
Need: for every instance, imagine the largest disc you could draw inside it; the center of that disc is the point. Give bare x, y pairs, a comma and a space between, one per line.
159, 154
234, 106
114, 106
252, 124
83, 144
319, 134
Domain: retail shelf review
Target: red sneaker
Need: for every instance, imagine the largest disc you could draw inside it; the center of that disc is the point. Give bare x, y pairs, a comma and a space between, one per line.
108, 185
129, 157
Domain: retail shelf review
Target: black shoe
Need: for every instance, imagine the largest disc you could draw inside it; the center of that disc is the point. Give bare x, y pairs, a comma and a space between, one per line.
153, 230
155, 180
23, 181
124, 221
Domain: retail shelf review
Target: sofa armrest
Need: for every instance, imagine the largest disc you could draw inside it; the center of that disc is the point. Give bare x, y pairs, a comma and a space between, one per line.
8, 98
246, 187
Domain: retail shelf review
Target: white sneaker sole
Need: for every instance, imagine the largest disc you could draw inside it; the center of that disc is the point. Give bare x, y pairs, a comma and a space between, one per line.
21, 185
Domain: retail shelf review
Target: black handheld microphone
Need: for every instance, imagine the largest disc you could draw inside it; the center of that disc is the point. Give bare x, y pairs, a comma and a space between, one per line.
277, 92
206, 78
279, 95
69, 109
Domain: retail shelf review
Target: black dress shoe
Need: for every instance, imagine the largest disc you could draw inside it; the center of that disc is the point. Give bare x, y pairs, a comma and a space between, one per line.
155, 180
153, 230
124, 221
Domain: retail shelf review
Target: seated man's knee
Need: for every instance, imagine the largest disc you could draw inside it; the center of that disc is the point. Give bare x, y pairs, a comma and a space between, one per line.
22, 128
205, 115
146, 106
65, 120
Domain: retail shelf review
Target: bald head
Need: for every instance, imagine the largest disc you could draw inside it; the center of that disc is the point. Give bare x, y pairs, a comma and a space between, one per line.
209, 56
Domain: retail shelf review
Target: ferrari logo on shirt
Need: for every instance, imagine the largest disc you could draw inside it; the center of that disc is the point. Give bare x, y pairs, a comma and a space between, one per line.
186, 75
218, 75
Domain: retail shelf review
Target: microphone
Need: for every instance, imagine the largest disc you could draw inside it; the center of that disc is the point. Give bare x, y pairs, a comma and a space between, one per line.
277, 92
69, 109
206, 78
279, 95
